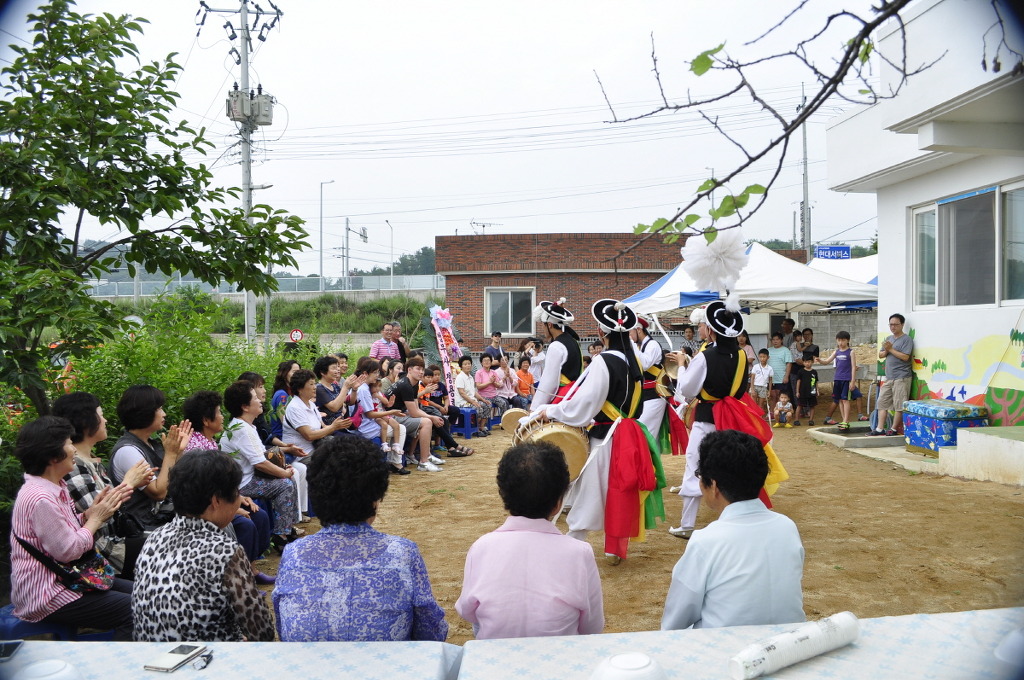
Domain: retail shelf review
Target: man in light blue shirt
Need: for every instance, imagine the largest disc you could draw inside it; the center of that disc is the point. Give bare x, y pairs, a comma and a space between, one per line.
746, 567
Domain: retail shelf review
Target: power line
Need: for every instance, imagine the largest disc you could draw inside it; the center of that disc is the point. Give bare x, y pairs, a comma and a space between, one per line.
16, 37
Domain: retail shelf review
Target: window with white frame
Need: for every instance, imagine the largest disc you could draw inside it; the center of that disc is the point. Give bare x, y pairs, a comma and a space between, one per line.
924, 262
510, 310
1013, 244
969, 249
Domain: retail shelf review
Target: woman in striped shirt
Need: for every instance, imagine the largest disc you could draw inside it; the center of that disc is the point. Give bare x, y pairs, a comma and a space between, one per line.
45, 517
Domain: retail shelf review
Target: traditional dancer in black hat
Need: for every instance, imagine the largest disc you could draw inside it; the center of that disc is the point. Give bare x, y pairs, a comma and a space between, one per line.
618, 490
564, 360
717, 379
653, 404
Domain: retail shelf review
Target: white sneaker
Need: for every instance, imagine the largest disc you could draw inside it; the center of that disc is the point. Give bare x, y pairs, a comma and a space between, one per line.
436, 461
681, 532
428, 467
385, 447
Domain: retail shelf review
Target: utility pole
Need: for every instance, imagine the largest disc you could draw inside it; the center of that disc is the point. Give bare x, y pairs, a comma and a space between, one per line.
347, 258
249, 110
247, 127
805, 207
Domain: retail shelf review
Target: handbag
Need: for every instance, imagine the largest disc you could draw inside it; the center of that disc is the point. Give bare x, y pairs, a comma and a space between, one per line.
127, 525
275, 456
91, 571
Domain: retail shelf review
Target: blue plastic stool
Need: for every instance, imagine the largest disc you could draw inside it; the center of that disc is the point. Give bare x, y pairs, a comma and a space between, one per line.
13, 628
465, 426
496, 420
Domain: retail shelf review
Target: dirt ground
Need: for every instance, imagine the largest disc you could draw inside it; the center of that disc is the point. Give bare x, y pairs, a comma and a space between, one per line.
879, 541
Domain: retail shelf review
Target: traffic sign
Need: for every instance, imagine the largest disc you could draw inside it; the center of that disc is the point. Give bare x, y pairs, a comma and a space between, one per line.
296, 335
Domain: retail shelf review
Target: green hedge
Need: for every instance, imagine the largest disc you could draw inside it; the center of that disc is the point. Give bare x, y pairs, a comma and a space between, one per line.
172, 351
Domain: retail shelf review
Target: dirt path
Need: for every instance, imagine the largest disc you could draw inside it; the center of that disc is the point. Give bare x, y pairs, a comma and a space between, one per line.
879, 540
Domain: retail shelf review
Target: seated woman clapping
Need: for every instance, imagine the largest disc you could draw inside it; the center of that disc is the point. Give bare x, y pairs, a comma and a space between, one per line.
89, 478
192, 581
260, 477
526, 578
45, 518
141, 411
251, 524
349, 581
303, 426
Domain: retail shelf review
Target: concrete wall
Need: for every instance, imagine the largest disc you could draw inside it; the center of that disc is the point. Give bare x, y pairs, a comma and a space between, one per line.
328, 341
862, 325
993, 454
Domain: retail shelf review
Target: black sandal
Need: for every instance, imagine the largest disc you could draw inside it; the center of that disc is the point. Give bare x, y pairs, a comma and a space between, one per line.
459, 452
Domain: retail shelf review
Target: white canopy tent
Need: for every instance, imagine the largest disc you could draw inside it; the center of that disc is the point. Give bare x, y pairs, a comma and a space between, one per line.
863, 269
769, 281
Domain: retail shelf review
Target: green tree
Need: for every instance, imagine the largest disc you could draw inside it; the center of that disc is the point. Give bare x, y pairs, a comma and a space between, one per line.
81, 140
420, 262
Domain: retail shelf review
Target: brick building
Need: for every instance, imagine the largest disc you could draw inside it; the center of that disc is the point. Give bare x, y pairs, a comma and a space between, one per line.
493, 282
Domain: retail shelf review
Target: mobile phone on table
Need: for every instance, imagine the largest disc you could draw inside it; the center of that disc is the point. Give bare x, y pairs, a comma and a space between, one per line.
8, 648
176, 658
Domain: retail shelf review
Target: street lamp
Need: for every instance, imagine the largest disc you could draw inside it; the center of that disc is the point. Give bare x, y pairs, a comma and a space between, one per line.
392, 253
330, 181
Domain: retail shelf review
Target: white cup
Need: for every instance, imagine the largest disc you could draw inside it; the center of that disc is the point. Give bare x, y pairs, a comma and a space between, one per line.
629, 666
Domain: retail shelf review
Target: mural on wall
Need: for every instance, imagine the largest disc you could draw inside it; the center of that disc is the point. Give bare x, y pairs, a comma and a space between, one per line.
988, 372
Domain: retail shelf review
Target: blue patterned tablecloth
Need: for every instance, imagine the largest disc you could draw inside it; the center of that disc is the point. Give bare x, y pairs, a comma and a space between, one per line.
253, 660
939, 646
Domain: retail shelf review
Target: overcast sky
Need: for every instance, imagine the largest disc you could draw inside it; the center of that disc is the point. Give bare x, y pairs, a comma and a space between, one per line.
433, 115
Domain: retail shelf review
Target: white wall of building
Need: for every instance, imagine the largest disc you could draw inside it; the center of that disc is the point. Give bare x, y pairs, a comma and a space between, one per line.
891, 149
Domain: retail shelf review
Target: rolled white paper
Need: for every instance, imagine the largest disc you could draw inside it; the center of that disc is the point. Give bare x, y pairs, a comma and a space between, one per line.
800, 644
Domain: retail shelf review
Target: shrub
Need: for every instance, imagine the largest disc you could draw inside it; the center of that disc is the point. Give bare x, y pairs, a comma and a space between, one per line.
173, 351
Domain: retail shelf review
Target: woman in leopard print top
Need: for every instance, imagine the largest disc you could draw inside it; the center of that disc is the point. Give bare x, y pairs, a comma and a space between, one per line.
193, 582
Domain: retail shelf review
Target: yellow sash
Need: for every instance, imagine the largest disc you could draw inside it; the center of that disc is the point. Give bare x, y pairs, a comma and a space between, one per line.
741, 374
613, 412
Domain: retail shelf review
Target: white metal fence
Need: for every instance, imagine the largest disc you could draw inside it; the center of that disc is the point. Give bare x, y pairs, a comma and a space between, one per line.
309, 284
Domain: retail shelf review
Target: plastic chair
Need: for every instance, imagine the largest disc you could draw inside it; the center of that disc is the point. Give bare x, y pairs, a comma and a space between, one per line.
466, 424
13, 628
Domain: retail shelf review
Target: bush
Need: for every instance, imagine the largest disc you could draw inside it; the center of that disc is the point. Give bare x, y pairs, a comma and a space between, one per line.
173, 351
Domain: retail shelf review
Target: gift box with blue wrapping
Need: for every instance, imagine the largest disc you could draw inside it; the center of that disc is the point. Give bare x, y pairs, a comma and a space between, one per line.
931, 423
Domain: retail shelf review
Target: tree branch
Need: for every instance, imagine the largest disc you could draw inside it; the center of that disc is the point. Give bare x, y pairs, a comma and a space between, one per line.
850, 64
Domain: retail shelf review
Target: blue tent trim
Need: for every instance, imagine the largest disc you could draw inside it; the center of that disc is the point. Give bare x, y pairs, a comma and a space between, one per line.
697, 297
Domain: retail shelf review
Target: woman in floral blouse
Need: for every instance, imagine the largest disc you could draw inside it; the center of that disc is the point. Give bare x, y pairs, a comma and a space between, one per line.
348, 581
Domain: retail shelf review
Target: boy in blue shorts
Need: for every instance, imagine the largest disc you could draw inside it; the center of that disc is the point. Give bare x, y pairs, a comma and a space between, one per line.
846, 368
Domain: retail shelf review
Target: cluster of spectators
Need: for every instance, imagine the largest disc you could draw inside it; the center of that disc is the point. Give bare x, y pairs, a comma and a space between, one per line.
251, 471
194, 581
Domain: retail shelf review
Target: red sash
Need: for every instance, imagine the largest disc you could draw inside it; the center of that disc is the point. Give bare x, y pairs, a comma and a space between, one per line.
562, 391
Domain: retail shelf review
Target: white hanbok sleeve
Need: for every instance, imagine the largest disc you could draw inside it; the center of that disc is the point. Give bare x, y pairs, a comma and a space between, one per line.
651, 354
691, 378
548, 386
586, 401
